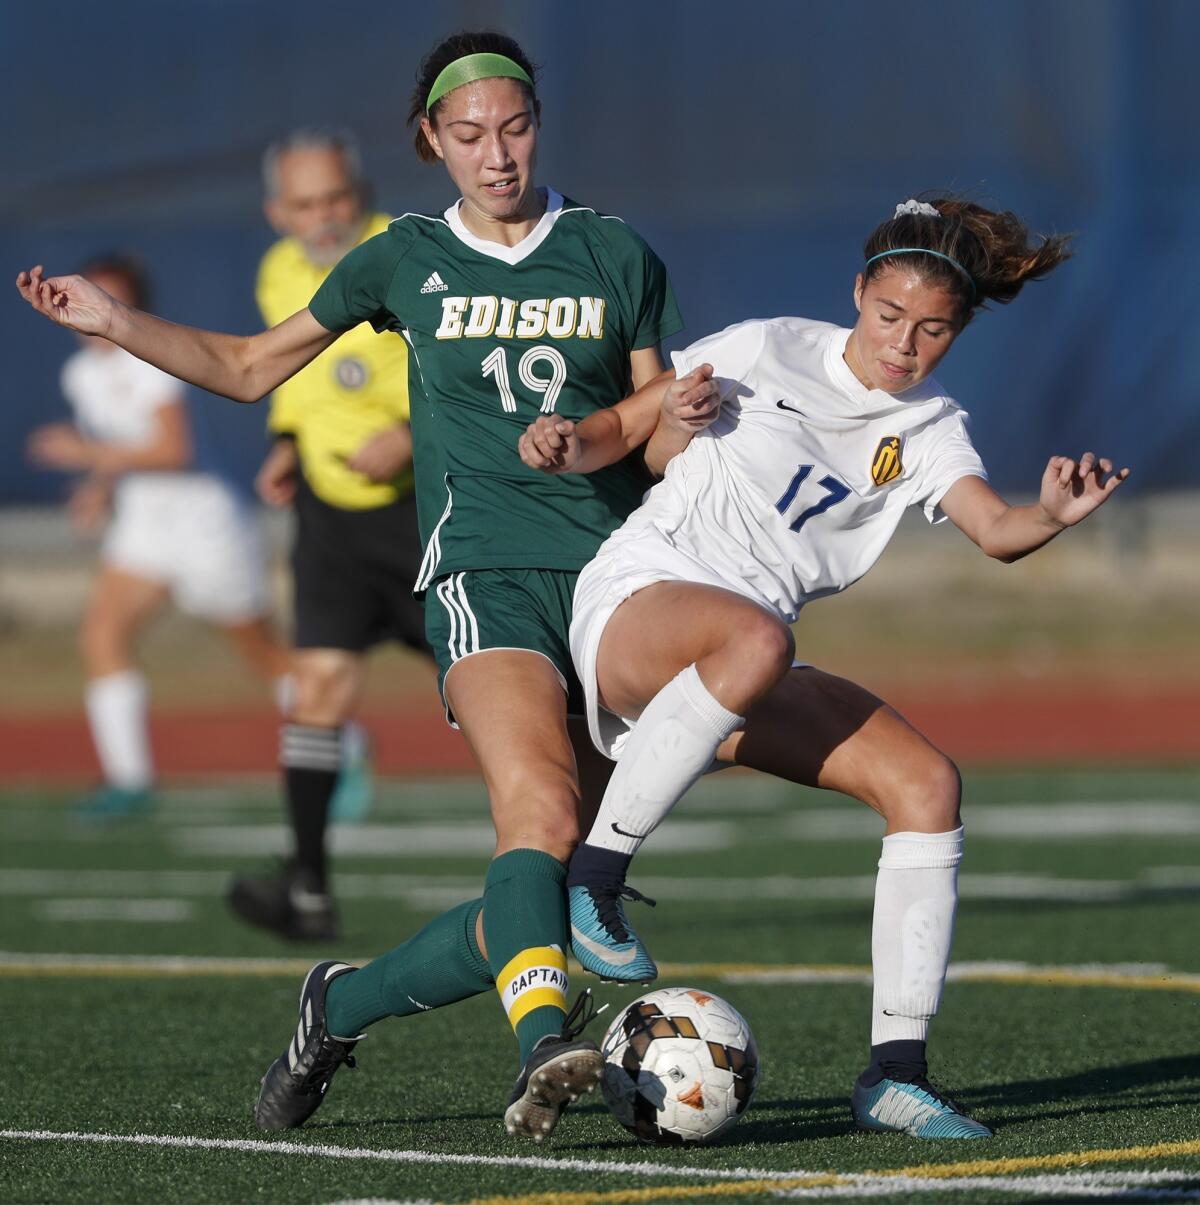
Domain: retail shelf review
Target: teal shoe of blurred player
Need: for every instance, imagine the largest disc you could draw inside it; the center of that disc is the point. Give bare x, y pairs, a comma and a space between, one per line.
354, 795
109, 803
917, 1109
602, 939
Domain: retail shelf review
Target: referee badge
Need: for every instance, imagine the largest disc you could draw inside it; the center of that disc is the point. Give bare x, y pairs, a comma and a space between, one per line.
351, 373
885, 464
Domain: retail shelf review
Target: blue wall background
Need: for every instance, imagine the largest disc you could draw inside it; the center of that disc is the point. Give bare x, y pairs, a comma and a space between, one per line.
754, 145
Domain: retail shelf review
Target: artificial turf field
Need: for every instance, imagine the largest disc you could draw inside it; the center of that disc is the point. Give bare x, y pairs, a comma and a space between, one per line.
138, 1015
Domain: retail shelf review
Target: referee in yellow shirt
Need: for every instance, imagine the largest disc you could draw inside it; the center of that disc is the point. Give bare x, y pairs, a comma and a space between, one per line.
342, 458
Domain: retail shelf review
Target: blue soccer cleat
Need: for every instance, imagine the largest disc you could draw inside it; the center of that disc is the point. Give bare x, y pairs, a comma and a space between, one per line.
601, 937
354, 795
917, 1109
115, 803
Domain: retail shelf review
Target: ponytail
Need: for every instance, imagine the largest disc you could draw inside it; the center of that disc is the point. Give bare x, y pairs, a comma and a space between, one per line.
977, 254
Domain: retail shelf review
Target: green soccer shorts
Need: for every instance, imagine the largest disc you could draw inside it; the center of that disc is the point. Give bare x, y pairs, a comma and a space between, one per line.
479, 609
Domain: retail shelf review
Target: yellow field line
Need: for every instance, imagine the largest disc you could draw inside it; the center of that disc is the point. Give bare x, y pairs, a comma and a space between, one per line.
1048, 975
666, 1192
1000, 1167
88, 967
934, 1171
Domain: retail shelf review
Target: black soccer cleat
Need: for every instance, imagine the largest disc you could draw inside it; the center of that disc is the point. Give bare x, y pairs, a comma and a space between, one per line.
560, 1069
287, 903
295, 1083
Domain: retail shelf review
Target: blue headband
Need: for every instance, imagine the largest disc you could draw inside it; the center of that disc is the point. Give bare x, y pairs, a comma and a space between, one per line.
926, 251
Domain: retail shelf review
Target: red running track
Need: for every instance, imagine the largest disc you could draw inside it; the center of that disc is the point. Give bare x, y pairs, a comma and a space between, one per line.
1091, 726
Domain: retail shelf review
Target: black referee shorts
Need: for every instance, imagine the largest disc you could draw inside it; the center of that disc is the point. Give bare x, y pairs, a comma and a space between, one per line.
353, 573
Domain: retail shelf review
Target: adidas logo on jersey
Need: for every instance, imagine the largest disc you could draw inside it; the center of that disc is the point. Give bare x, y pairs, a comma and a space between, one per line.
435, 284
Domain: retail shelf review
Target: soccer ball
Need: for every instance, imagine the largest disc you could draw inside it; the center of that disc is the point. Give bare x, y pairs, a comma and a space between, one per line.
680, 1065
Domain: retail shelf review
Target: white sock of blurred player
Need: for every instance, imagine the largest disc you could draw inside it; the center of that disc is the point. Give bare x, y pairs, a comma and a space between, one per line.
284, 690
116, 710
916, 895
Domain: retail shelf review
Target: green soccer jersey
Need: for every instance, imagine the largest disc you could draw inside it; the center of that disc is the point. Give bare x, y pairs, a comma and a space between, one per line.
498, 336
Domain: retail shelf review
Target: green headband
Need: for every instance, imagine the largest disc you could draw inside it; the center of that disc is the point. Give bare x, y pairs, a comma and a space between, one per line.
472, 67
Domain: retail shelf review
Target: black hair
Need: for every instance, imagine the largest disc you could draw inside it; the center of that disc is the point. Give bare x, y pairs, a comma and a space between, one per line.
457, 46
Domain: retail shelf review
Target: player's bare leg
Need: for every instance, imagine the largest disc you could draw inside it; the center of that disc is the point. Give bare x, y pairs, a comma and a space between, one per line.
120, 606
687, 660
592, 771
823, 731
258, 645
525, 755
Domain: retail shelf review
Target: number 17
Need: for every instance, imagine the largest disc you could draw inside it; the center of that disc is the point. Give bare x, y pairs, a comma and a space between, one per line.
835, 491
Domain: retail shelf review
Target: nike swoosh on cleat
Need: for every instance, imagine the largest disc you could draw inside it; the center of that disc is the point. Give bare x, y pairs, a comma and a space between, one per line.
784, 406
617, 958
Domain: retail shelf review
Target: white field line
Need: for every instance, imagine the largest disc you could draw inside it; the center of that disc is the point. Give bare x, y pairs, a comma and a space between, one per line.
1117, 975
320, 1150
434, 888
1017, 821
383, 1201
426, 892
135, 911
1014, 822
1124, 1186
419, 839
1128, 1185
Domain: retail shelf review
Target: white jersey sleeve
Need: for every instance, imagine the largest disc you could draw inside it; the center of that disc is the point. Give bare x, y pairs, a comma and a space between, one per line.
732, 352
114, 395
947, 455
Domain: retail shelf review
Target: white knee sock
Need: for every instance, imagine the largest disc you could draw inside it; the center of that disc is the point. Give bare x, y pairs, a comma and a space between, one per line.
673, 744
916, 893
284, 689
116, 709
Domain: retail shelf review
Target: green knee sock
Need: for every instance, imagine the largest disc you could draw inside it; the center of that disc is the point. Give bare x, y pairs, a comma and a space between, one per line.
440, 965
525, 930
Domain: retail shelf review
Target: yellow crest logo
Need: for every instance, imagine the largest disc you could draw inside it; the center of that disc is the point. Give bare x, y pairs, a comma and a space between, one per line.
886, 465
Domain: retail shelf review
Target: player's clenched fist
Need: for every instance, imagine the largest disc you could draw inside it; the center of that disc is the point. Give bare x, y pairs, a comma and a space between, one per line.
550, 444
692, 401
71, 301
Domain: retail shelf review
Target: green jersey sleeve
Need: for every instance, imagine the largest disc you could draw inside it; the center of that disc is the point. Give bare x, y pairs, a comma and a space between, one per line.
357, 288
656, 312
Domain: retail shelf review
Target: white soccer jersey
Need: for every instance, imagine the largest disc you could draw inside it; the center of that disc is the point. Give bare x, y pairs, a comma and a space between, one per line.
114, 395
186, 529
792, 493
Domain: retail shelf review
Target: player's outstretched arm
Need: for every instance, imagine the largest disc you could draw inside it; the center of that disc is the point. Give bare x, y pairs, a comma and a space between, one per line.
168, 448
1070, 491
557, 445
244, 368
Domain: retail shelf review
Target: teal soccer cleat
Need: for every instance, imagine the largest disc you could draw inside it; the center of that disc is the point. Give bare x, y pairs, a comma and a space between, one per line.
108, 803
354, 795
601, 937
918, 1109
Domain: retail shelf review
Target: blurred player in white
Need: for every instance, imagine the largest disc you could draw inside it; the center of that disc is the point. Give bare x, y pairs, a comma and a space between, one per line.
681, 630
174, 533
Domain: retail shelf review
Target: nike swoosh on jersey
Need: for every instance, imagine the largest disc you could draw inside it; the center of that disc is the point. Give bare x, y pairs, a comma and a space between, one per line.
617, 958
616, 828
784, 406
